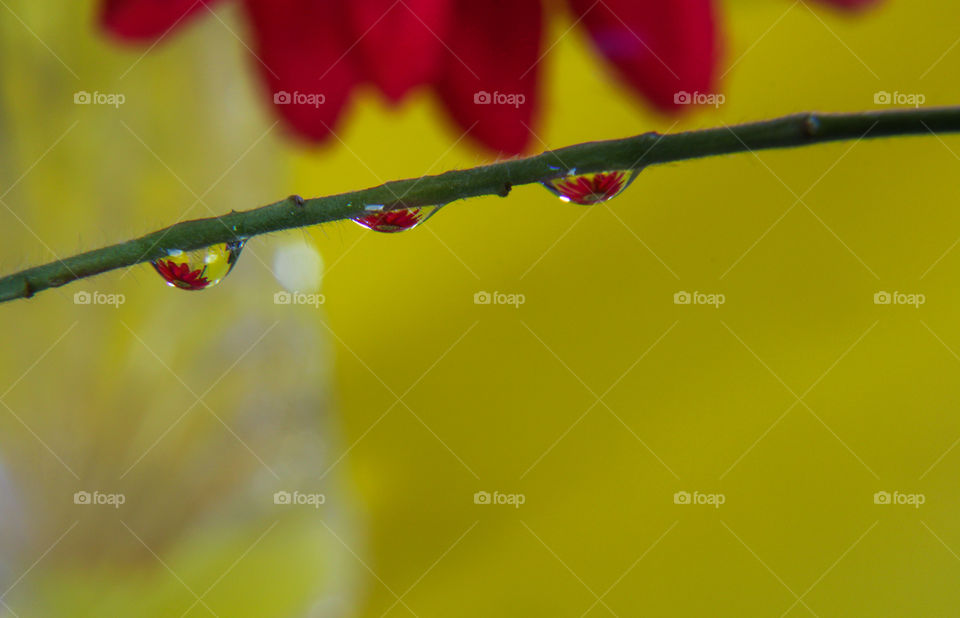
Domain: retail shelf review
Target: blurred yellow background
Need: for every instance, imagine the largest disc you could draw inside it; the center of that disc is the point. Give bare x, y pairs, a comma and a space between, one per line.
598, 399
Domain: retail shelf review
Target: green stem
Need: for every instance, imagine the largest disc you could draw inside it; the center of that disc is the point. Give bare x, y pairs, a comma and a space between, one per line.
497, 179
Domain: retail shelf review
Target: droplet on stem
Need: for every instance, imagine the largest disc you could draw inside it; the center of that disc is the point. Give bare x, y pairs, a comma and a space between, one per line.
396, 220
198, 269
588, 189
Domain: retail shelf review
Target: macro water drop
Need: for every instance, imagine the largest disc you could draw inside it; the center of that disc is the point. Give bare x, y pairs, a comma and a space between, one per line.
198, 269
588, 189
396, 219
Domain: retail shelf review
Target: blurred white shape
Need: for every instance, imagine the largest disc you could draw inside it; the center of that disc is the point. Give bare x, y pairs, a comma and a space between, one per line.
11, 525
298, 267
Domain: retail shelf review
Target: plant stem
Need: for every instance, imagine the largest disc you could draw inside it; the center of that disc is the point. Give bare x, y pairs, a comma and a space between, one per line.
497, 179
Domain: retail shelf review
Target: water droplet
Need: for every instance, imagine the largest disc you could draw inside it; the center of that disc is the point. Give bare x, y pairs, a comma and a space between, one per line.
201, 268
587, 189
398, 220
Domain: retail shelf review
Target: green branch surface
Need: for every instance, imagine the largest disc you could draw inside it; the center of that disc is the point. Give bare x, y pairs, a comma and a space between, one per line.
496, 179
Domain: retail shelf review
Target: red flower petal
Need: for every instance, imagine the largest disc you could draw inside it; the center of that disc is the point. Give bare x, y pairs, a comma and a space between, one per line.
393, 220
180, 275
661, 47
590, 189
400, 42
302, 49
489, 78
148, 19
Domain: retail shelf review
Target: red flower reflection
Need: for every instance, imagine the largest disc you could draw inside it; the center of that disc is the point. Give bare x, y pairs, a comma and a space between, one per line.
590, 188
180, 275
392, 221
482, 58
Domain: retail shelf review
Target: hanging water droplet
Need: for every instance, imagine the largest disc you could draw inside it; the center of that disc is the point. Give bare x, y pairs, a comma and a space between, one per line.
587, 189
201, 268
398, 220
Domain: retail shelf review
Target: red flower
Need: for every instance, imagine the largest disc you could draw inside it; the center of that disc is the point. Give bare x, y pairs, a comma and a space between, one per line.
180, 275
589, 188
481, 57
393, 220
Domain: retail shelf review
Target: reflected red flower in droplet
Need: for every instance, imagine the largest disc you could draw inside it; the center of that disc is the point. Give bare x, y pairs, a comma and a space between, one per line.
180, 275
392, 221
482, 58
590, 188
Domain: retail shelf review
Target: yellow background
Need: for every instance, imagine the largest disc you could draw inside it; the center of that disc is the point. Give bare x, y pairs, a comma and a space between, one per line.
597, 399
